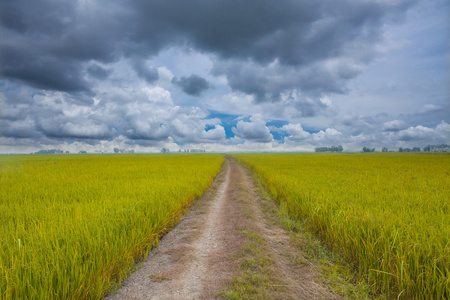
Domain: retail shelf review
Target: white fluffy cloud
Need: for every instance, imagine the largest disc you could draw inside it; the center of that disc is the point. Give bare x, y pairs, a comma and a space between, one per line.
296, 133
440, 134
298, 136
255, 130
142, 116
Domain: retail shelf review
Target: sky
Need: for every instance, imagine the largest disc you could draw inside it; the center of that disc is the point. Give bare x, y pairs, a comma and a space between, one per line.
223, 75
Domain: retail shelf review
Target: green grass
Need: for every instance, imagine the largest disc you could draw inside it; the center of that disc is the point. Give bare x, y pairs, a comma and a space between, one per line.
72, 226
256, 277
333, 272
386, 213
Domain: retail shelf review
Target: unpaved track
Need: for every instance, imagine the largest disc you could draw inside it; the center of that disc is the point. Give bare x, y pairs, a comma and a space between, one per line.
299, 278
195, 260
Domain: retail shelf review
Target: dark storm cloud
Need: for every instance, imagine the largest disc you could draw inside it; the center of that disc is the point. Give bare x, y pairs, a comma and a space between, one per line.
192, 85
42, 71
268, 83
48, 44
295, 32
256, 40
18, 130
98, 71
78, 60
148, 73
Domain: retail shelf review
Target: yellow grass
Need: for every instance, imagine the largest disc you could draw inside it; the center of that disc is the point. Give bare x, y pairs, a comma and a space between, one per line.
72, 226
388, 213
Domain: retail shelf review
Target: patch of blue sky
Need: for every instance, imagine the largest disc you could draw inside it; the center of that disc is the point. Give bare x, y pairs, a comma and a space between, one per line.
227, 121
9, 86
277, 123
278, 135
209, 127
312, 129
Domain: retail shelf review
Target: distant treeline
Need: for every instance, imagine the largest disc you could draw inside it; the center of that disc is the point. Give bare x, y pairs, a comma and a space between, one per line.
429, 148
51, 151
329, 149
437, 148
165, 150
117, 150
56, 151
365, 149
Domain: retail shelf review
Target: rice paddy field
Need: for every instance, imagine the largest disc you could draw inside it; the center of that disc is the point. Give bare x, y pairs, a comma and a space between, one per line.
388, 213
72, 226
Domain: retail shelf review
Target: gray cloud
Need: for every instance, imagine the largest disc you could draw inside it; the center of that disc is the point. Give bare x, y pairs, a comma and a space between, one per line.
148, 73
365, 124
49, 44
394, 125
266, 30
301, 38
98, 71
192, 85
429, 109
71, 70
268, 83
145, 116
42, 71
20, 130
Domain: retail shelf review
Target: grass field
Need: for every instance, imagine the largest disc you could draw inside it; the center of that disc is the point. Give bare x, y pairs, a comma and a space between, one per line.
72, 226
388, 214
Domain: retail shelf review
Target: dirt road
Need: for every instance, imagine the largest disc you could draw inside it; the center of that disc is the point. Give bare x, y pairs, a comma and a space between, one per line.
208, 252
